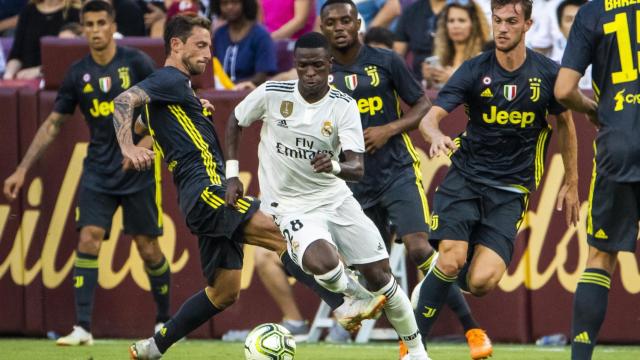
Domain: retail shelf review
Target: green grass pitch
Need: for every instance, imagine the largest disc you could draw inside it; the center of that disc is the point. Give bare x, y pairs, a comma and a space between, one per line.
30, 349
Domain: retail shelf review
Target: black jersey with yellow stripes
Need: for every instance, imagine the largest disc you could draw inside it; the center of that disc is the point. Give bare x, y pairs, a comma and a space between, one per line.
377, 80
183, 134
93, 87
606, 33
505, 141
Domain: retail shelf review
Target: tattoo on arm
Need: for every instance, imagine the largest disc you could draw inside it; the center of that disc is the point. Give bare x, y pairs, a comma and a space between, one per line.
45, 135
124, 105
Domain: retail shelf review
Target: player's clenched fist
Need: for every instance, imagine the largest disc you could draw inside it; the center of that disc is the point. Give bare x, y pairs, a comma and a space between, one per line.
235, 191
142, 158
13, 184
322, 163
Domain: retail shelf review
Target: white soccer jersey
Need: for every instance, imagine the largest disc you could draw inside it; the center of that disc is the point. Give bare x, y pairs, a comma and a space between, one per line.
293, 132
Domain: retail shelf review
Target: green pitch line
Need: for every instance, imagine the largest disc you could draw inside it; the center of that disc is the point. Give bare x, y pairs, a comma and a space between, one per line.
30, 349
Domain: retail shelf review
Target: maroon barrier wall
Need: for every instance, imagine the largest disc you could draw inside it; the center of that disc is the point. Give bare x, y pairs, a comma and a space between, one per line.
36, 258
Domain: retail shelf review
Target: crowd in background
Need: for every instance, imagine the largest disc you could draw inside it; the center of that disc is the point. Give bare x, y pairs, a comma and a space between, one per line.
252, 38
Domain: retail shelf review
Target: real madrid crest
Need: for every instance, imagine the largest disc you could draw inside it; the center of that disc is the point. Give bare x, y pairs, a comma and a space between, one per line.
327, 128
286, 108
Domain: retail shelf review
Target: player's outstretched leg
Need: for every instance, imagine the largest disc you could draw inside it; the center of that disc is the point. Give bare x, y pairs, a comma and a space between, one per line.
397, 308
423, 254
85, 280
590, 303
157, 268
262, 231
220, 294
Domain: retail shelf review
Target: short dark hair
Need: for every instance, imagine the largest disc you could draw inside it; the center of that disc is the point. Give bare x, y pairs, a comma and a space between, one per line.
334, 2
379, 35
97, 6
180, 26
527, 6
566, 3
312, 40
249, 8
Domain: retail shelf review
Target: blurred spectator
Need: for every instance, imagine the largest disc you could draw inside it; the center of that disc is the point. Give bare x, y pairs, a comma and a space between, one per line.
244, 47
566, 14
288, 19
9, 10
461, 34
39, 18
183, 7
373, 13
415, 31
379, 37
154, 16
130, 17
70, 30
544, 30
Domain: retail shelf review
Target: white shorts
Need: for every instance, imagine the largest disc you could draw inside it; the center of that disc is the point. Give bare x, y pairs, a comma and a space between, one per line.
354, 235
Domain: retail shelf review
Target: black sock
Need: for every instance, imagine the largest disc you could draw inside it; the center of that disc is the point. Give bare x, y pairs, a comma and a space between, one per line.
332, 299
193, 313
455, 299
589, 309
85, 279
457, 303
160, 280
433, 294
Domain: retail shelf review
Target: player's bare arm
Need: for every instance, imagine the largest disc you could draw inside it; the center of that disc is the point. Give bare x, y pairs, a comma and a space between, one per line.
235, 188
568, 94
45, 135
568, 142
352, 169
376, 136
430, 131
124, 106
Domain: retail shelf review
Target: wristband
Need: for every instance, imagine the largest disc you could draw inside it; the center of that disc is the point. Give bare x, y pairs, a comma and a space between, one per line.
232, 168
335, 167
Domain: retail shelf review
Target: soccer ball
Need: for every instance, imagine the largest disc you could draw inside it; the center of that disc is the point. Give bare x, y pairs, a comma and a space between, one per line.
269, 342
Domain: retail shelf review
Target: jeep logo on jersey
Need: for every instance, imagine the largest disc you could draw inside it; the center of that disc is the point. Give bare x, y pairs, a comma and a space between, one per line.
286, 108
105, 84
502, 117
351, 81
327, 128
125, 79
534, 86
510, 92
370, 105
372, 71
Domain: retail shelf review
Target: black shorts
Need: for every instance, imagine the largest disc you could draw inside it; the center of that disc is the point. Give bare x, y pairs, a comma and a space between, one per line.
141, 211
402, 208
612, 222
220, 229
477, 213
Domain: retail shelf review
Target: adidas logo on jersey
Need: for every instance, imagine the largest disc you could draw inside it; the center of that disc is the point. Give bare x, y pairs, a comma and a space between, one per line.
486, 93
583, 337
600, 234
87, 89
282, 123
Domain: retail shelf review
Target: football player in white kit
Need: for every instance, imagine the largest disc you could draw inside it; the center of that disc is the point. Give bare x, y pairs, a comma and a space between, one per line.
306, 128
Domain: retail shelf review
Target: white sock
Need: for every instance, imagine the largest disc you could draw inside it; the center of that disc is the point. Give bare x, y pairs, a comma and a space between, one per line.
400, 314
338, 281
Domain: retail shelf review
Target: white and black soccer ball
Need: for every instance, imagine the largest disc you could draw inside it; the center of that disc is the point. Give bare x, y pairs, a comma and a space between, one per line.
269, 342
